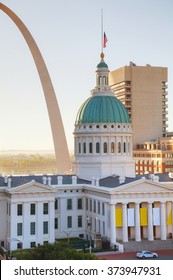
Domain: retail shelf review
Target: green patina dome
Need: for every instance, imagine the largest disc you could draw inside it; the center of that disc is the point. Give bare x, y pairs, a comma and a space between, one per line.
102, 64
102, 109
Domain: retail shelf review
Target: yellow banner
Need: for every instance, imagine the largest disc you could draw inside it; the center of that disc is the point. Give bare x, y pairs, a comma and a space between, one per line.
118, 215
169, 220
143, 217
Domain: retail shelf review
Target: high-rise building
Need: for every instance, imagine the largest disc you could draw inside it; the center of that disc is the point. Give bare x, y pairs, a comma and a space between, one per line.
143, 91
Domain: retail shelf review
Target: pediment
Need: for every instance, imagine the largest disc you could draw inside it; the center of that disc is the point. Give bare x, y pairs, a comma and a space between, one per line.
144, 186
31, 187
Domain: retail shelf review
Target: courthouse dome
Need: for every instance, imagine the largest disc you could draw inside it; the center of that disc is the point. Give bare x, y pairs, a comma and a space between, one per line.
102, 109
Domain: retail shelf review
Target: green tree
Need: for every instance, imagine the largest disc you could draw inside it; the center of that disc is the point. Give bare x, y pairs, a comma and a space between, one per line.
58, 251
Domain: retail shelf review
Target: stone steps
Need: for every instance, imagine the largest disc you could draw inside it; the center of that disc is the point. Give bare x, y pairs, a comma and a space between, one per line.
132, 246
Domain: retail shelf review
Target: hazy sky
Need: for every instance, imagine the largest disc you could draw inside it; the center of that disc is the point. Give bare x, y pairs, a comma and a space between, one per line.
68, 34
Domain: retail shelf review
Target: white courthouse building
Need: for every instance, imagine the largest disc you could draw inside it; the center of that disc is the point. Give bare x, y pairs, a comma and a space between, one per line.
104, 195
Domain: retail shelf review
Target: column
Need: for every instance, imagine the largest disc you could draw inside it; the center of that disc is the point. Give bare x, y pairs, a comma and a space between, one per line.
112, 225
163, 221
125, 228
137, 223
150, 221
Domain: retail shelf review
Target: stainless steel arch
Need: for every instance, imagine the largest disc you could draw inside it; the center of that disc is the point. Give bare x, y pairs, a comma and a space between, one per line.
59, 138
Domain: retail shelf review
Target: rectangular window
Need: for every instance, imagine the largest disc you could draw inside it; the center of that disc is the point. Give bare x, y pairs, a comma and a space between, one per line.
45, 208
32, 209
19, 209
79, 221
56, 204
103, 209
87, 204
69, 221
98, 207
91, 205
32, 228
45, 227
19, 229
56, 223
32, 244
94, 206
79, 203
69, 204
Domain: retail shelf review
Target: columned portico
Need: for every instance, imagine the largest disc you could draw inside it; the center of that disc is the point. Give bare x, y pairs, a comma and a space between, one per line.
112, 224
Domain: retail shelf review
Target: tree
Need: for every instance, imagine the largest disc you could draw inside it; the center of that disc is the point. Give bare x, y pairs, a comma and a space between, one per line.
58, 251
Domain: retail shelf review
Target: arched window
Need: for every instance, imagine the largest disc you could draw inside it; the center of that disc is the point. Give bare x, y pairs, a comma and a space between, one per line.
124, 147
105, 147
97, 147
79, 148
112, 147
100, 80
84, 148
90, 148
119, 147
104, 80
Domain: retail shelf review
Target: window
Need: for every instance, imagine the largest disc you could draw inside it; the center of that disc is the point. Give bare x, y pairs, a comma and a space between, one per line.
84, 148
90, 148
19, 209
112, 147
103, 209
45, 208
56, 223
94, 206
124, 147
45, 227
79, 203
32, 244
97, 147
69, 204
56, 204
32, 208
79, 148
32, 228
119, 147
105, 147
91, 205
98, 205
79, 221
69, 221
86, 203
19, 229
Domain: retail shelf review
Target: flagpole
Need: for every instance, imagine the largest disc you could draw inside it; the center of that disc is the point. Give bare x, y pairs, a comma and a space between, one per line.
102, 30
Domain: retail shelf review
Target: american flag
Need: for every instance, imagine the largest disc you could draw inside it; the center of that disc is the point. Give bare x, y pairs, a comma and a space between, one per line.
104, 40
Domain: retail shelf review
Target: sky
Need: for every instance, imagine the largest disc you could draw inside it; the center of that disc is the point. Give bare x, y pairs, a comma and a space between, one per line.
68, 34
